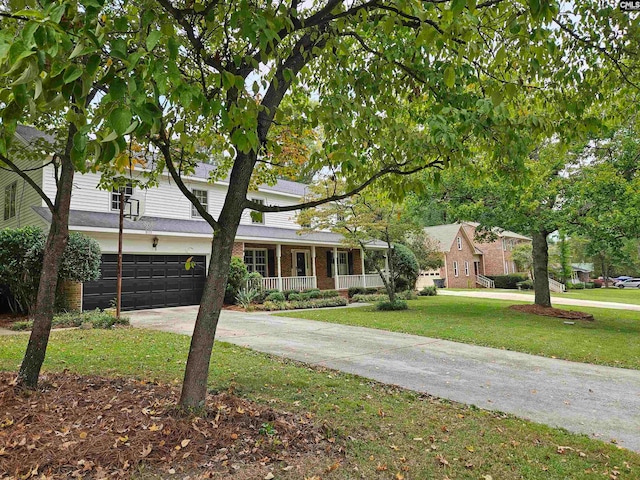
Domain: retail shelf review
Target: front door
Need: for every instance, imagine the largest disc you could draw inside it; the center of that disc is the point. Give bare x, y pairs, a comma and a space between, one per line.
300, 263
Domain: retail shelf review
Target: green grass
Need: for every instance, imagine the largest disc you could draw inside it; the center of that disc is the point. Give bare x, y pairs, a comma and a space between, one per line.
610, 340
376, 424
615, 295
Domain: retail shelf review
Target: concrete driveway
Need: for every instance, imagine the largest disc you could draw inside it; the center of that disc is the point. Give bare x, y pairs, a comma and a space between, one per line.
602, 402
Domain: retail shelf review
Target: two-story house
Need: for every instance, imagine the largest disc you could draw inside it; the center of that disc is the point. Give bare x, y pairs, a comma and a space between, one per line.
163, 230
466, 260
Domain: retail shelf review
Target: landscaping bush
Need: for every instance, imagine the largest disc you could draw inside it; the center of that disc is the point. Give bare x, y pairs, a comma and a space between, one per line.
589, 285
21, 253
386, 305
375, 297
526, 285
407, 295
246, 296
405, 266
295, 297
96, 318
431, 291
237, 277
507, 281
298, 304
290, 292
575, 286
329, 293
275, 297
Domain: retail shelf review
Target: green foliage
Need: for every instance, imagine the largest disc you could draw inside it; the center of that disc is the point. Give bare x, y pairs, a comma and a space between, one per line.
21, 252
237, 277
507, 281
386, 305
93, 319
430, 291
405, 267
525, 285
246, 296
369, 298
275, 297
575, 286
362, 290
270, 305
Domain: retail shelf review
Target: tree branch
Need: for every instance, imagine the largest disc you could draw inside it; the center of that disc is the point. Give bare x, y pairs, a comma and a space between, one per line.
301, 206
30, 181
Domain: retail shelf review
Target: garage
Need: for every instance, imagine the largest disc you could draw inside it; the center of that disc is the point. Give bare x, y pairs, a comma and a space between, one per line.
148, 281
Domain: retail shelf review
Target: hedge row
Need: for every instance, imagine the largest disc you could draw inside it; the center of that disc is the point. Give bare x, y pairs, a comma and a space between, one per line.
298, 304
507, 281
95, 318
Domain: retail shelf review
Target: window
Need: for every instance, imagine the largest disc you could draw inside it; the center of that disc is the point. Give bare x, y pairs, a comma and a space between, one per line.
511, 243
257, 217
504, 244
10, 195
203, 198
340, 217
459, 243
115, 196
506, 267
455, 269
466, 268
343, 264
256, 261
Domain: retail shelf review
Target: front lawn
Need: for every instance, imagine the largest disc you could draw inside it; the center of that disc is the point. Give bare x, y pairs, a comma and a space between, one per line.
384, 432
615, 295
610, 340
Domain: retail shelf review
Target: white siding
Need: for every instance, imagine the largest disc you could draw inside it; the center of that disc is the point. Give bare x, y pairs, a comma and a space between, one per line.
167, 201
26, 196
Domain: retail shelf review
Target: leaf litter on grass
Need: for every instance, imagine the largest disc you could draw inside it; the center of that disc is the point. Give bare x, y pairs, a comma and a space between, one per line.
84, 426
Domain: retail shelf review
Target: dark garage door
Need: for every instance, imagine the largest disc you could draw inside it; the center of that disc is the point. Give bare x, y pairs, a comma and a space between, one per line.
148, 281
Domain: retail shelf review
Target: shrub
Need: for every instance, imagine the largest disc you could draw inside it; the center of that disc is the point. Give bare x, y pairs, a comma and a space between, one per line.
269, 305
575, 286
386, 305
329, 293
406, 295
507, 281
405, 266
295, 297
431, 291
246, 297
21, 253
375, 297
298, 304
525, 285
237, 276
275, 297
96, 318
289, 292
589, 285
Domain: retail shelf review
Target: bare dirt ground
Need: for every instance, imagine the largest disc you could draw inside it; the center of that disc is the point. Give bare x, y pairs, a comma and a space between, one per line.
553, 312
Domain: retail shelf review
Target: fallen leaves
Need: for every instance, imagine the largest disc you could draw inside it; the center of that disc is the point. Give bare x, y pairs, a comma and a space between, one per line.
104, 428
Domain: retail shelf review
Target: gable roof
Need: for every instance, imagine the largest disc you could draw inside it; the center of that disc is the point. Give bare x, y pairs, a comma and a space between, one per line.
582, 267
445, 235
501, 232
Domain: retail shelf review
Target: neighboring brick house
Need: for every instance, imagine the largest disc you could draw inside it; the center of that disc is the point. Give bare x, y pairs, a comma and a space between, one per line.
466, 260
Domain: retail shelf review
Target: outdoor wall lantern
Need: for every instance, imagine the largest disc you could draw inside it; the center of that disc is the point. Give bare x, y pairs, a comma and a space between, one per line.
155, 242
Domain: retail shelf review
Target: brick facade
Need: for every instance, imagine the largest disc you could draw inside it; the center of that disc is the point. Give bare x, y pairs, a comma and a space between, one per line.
464, 278
69, 296
497, 255
238, 250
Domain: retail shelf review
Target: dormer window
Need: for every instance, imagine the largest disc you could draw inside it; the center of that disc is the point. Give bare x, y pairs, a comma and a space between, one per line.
115, 195
257, 218
203, 198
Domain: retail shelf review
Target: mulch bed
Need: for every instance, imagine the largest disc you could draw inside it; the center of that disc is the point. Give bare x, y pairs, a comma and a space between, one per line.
7, 319
552, 312
93, 427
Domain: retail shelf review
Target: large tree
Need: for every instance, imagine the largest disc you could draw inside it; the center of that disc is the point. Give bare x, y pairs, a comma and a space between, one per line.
400, 87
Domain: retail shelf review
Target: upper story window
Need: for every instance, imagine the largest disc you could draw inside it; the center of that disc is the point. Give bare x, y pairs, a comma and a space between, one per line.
10, 196
203, 198
115, 195
459, 243
504, 244
257, 217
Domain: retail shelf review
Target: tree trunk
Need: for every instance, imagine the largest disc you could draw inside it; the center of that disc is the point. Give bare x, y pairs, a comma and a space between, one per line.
194, 387
541, 269
45, 301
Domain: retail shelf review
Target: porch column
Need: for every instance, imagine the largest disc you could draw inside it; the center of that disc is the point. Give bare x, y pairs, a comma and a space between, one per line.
386, 265
279, 265
364, 276
335, 267
313, 266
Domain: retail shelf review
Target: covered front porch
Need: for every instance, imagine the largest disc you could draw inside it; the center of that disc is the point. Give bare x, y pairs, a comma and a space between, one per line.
303, 267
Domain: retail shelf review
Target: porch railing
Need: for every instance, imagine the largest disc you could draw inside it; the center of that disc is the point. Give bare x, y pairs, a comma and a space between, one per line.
485, 281
299, 283
557, 287
369, 280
